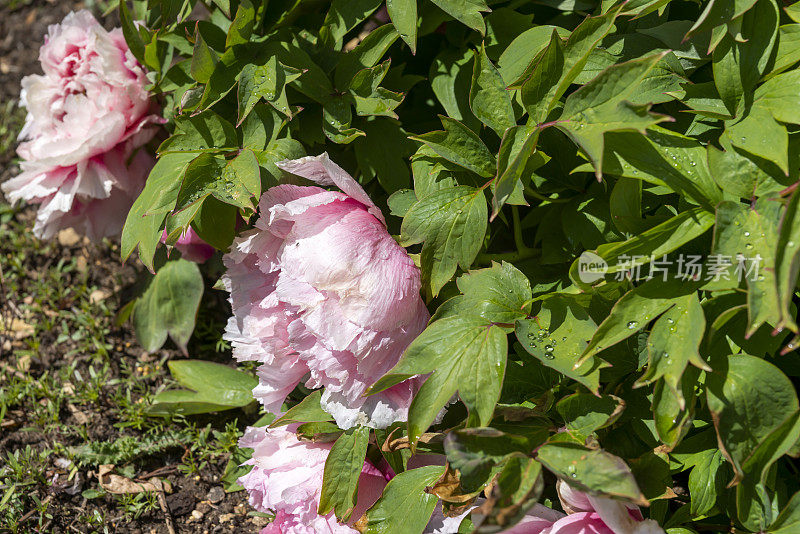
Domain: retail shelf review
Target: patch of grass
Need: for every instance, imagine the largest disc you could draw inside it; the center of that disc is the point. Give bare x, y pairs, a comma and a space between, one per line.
12, 117
22, 472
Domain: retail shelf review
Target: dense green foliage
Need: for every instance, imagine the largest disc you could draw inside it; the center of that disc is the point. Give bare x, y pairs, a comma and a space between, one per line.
503, 140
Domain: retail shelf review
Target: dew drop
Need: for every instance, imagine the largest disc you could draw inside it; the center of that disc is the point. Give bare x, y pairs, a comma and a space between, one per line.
747, 234
632, 325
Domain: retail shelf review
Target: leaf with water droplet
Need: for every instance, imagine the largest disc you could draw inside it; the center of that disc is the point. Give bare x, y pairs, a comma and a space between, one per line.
562, 316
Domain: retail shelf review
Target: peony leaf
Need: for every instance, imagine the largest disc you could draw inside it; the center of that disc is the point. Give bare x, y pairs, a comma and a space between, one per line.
451, 224
404, 17
460, 145
560, 331
489, 99
591, 470
342, 469
157, 313
307, 410
405, 506
467, 12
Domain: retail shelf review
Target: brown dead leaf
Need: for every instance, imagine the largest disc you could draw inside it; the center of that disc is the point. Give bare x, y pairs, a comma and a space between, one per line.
16, 328
118, 485
448, 488
393, 445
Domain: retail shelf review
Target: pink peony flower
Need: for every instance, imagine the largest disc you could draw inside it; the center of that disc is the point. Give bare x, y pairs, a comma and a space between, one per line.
191, 246
88, 115
322, 294
287, 478
586, 514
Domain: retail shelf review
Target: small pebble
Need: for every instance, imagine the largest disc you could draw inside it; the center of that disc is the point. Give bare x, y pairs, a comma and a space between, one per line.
197, 515
215, 494
224, 518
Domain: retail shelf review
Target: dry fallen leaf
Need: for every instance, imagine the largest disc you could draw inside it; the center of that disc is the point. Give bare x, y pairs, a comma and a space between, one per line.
117, 484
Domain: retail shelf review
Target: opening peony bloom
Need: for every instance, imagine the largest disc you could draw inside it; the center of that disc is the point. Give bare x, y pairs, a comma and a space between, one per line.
191, 246
322, 294
88, 115
287, 478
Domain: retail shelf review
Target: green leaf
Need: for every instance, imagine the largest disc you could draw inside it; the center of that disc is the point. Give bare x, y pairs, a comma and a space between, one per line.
337, 116
662, 158
144, 223
206, 132
761, 135
488, 98
236, 182
600, 106
366, 55
705, 482
748, 238
673, 416
169, 306
561, 63
558, 333
476, 451
674, 343
308, 410
460, 145
787, 261
403, 14
242, 26
634, 310
209, 387
591, 470
342, 17
383, 154
789, 519
342, 470
451, 223
467, 12
499, 294
516, 149
204, 60
265, 81
522, 51
405, 506
465, 354
749, 399
370, 99
130, 31
584, 413
649, 245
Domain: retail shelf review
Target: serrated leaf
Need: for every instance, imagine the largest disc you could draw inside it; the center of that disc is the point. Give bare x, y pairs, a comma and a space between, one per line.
342, 470
451, 224
158, 314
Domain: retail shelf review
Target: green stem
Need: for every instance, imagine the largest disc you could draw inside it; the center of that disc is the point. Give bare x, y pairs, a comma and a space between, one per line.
518, 241
535, 194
